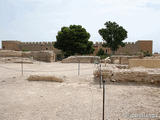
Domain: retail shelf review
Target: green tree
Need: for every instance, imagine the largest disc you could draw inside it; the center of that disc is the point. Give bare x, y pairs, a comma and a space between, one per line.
146, 54
100, 52
74, 40
113, 35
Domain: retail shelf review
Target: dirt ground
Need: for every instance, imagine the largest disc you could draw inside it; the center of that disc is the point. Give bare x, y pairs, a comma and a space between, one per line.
78, 98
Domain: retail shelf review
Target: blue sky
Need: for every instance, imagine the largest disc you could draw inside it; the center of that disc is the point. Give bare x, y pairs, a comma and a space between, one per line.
40, 20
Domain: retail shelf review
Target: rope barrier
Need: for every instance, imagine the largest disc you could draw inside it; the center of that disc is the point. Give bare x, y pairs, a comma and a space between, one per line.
43, 71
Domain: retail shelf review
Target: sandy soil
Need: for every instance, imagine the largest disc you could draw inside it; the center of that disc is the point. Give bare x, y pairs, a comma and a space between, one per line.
78, 98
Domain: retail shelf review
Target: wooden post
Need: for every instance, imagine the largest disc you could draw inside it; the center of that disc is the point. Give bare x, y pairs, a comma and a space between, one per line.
78, 67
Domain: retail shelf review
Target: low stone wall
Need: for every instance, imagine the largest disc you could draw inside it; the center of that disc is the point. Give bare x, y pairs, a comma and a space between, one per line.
147, 63
46, 56
81, 59
27, 54
122, 59
10, 53
129, 76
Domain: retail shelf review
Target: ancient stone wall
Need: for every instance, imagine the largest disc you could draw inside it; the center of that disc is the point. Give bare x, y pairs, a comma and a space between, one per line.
131, 48
10, 53
145, 45
122, 59
149, 76
29, 46
11, 45
36, 46
46, 56
81, 59
98, 45
147, 63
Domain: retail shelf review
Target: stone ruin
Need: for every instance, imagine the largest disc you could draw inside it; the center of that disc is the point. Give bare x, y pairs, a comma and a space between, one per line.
123, 59
137, 75
46, 56
81, 59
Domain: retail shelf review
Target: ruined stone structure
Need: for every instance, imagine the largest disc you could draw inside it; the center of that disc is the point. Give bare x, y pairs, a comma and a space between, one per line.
123, 59
131, 48
46, 55
147, 63
81, 59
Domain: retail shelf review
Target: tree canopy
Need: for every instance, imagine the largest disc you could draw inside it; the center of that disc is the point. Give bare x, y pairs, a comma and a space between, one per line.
74, 40
100, 52
113, 35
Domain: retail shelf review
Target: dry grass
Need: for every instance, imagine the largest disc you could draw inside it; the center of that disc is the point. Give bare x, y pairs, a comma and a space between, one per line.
44, 78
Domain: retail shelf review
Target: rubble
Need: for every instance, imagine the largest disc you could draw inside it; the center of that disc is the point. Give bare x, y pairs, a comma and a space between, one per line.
139, 75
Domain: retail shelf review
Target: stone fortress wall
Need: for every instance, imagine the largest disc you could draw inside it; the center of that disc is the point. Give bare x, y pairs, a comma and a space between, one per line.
131, 48
36, 46
28, 46
11, 45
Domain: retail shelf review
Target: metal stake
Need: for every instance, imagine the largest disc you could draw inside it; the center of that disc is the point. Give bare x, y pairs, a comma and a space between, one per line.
100, 82
22, 64
103, 99
79, 68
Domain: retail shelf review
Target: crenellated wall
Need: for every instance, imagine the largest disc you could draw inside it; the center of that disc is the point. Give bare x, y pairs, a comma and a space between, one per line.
27, 46
131, 48
11, 45
36, 46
